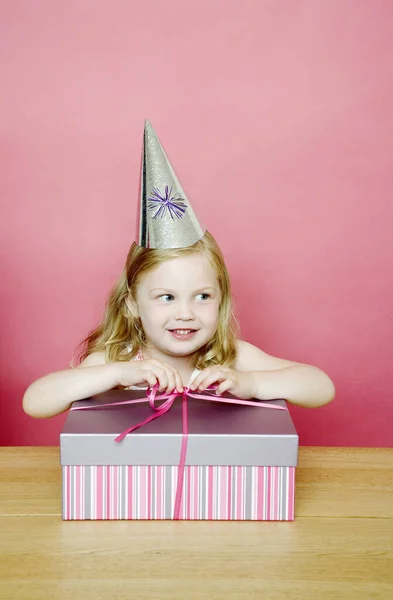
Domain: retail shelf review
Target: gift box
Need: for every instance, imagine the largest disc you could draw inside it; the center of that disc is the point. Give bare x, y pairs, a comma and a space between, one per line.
200, 460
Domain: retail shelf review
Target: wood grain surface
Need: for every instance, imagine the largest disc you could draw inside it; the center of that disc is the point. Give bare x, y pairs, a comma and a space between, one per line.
339, 547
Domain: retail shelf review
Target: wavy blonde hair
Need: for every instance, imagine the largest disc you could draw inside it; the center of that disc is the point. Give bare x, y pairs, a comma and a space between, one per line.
119, 328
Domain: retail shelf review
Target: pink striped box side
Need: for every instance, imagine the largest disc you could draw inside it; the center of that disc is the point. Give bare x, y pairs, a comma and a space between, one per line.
209, 492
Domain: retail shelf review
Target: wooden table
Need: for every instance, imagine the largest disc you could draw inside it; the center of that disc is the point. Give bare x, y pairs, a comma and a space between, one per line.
340, 545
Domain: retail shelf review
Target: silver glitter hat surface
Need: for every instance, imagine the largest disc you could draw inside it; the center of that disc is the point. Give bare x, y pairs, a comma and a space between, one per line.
166, 219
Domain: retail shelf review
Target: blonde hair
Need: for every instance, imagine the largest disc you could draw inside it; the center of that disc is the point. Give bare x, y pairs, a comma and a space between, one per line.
119, 328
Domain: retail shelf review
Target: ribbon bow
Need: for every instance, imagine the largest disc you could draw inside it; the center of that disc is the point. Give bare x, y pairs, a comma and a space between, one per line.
159, 411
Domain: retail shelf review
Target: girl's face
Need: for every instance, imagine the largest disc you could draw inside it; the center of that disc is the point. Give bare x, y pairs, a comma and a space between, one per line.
178, 304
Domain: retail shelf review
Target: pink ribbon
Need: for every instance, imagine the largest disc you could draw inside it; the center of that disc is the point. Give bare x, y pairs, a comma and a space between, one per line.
164, 408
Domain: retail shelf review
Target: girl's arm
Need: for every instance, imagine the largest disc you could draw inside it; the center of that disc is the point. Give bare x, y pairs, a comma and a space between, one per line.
54, 393
259, 375
273, 377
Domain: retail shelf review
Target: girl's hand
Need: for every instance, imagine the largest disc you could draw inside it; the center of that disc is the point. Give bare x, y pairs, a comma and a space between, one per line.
238, 383
146, 373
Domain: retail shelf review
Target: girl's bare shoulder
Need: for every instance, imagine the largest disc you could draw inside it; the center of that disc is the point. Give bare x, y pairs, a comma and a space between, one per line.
100, 358
252, 358
93, 360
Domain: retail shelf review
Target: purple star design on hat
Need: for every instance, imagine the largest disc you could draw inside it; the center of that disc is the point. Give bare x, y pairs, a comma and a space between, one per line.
175, 205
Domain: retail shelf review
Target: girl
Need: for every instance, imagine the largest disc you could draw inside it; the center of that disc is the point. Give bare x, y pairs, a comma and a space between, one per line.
168, 320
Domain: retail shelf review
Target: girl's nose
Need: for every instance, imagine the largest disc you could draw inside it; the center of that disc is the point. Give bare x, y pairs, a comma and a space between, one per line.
184, 311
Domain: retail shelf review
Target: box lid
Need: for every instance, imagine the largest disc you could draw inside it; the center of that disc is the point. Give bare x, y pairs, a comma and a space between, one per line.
219, 434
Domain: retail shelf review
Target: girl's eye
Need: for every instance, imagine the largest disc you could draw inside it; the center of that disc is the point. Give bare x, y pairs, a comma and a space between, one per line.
166, 297
203, 296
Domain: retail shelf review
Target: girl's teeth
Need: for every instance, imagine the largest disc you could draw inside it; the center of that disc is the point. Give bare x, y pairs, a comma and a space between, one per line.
183, 331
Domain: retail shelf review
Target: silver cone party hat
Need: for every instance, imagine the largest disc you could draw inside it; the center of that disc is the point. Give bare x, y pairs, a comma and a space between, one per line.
166, 219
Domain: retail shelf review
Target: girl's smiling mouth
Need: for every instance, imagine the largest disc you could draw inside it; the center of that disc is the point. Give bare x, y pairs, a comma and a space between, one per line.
182, 334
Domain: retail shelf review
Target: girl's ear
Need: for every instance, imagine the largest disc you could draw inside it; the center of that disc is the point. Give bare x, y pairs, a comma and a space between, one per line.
132, 307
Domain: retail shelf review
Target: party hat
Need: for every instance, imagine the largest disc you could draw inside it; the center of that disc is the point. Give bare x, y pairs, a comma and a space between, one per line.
166, 219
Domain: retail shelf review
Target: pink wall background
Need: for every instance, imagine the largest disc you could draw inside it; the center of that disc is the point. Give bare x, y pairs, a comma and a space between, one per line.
278, 118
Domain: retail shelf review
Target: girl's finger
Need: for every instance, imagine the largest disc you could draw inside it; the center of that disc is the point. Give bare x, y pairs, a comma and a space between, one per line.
174, 379
162, 379
215, 377
225, 386
171, 381
151, 379
179, 383
144, 378
200, 377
